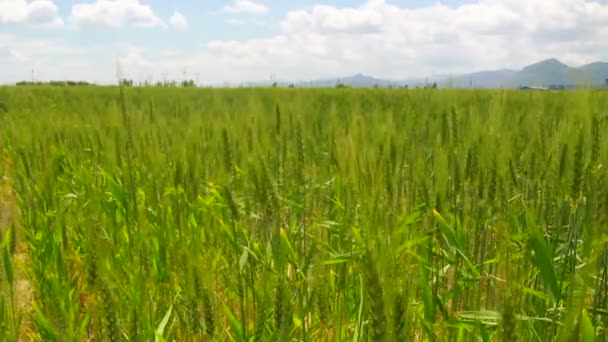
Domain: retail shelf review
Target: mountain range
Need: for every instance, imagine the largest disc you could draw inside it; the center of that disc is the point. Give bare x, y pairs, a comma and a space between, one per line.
547, 73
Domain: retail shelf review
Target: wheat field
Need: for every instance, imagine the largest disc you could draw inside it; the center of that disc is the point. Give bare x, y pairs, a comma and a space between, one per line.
166, 214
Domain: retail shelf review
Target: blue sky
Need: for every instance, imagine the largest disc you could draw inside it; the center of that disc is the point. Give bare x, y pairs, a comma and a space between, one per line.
237, 41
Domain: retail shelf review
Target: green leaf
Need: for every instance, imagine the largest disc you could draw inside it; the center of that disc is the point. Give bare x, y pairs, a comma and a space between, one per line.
533, 292
446, 230
243, 260
543, 258
485, 335
82, 328
483, 317
359, 329
410, 244
160, 330
8, 266
236, 326
587, 329
43, 325
410, 219
469, 264
428, 299
343, 258
291, 251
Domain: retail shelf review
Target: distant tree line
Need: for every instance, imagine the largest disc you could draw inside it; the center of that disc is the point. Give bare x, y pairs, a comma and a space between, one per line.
122, 82
55, 83
170, 84
173, 84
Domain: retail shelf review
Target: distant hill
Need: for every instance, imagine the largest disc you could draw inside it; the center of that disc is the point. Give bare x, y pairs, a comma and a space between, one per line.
550, 72
546, 73
355, 81
597, 72
482, 79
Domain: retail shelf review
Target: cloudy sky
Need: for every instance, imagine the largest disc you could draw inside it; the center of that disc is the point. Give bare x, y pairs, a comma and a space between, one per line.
218, 41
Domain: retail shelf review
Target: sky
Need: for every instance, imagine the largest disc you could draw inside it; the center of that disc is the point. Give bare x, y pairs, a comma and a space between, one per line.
238, 41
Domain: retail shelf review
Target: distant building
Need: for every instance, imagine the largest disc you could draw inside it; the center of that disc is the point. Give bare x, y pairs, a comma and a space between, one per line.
550, 87
533, 88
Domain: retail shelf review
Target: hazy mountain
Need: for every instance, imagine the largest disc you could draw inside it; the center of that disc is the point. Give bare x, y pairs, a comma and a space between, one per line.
597, 72
553, 72
482, 79
545, 73
361, 80
550, 72
356, 81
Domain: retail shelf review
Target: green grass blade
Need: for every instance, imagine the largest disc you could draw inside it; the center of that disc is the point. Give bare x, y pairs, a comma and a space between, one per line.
587, 328
543, 259
160, 330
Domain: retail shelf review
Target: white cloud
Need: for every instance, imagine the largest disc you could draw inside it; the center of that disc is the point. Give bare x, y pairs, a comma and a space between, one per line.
40, 13
7, 56
115, 14
169, 53
245, 22
378, 38
178, 21
44, 13
329, 20
245, 6
235, 21
37, 50
48, 59
395, 42
135, 58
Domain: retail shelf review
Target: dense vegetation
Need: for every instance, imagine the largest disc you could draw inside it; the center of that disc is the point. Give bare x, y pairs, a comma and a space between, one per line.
311, 215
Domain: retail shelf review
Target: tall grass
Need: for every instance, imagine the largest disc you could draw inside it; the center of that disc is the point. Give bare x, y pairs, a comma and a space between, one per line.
310, 215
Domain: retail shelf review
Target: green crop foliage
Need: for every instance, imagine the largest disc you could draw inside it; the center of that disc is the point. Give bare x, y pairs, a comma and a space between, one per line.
143, 214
